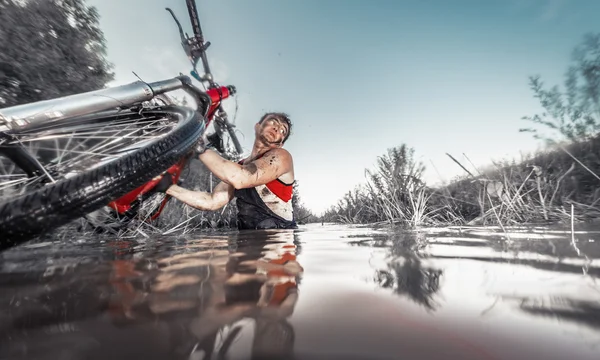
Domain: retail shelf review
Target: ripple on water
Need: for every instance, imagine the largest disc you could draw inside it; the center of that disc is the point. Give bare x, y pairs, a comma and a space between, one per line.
327, 292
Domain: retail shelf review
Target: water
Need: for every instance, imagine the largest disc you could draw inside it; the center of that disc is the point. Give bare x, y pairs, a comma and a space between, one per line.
320, 292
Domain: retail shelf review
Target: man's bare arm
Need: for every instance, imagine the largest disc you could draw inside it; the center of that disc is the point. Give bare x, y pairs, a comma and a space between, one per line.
272, 165
203, 200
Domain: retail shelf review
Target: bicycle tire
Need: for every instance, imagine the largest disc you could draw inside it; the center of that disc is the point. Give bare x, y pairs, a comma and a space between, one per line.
150, 210
26, 216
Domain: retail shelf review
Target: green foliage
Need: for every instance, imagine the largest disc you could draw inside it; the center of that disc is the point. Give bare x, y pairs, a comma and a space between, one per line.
396, 185
539, 188
50, 48
394, 192
573, 113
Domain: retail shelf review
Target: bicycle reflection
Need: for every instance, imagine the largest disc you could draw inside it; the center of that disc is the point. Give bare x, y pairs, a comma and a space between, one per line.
225, 292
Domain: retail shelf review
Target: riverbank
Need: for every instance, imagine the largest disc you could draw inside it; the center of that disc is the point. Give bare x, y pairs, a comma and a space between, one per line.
558, 184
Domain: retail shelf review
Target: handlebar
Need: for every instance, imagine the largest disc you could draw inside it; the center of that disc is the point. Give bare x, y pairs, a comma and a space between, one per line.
195, 47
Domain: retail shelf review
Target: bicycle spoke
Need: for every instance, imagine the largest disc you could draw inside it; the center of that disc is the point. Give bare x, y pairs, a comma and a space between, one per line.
79, 147
64, 151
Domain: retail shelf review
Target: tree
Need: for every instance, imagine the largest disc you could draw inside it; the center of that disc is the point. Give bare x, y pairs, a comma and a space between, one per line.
48, 49
574, 112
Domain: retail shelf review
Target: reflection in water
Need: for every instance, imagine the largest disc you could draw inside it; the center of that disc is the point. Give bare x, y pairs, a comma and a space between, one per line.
582, 312
408, 277
182, 299
452, 293
405, 273
259, 283
551, 251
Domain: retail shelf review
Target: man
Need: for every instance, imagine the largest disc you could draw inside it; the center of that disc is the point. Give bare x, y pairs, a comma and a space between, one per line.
262, 183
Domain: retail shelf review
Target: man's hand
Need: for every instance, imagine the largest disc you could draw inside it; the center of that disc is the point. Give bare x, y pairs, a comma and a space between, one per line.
201, 145
215, 142
165, 183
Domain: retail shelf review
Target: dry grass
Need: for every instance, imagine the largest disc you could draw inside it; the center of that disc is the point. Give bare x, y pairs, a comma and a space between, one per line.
394, 193
540, 188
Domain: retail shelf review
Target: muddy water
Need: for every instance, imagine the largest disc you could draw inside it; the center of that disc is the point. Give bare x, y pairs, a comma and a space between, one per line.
320, 292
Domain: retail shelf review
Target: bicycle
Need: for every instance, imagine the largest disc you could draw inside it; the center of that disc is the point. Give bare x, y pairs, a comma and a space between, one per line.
64, 158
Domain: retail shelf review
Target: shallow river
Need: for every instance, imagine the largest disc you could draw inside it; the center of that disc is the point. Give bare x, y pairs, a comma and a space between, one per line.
320, 292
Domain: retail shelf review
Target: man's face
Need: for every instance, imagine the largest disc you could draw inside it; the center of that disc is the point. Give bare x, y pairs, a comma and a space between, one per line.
273, 130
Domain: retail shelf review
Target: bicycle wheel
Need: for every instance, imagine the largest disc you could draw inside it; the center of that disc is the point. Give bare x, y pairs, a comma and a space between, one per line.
91, 160
149, 206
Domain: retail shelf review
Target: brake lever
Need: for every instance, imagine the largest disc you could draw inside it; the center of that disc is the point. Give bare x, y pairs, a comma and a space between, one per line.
184, 38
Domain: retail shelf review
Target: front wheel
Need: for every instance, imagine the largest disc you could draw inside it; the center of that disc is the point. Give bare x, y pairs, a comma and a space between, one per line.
87, 162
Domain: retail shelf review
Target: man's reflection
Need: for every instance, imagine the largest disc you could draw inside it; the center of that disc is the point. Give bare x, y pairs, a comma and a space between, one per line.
261, 285
244, 287
166, 300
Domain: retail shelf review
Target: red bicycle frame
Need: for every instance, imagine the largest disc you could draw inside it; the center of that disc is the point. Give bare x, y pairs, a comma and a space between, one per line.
195, 48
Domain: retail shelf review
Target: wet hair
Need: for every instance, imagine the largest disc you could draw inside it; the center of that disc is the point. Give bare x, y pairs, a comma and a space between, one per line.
281, 117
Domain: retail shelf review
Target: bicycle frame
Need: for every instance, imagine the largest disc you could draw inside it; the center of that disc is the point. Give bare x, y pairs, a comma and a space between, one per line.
129, 201
209, 104
195, 48
23, 117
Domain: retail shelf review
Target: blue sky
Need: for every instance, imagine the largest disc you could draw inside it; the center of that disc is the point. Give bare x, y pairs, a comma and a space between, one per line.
358, 77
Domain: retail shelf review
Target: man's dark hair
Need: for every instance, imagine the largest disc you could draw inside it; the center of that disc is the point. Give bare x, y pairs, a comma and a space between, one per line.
281, 117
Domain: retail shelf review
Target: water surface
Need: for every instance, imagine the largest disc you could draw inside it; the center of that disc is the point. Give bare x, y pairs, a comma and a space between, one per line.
320, 292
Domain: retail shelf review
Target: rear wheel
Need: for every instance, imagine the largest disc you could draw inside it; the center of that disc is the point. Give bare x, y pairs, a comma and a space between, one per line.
87, 162
149, 206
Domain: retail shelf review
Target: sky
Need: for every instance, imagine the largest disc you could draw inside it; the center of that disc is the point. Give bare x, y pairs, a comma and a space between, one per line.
360, 77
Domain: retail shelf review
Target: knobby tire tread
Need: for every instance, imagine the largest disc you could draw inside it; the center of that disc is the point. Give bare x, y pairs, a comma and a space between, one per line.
31, 214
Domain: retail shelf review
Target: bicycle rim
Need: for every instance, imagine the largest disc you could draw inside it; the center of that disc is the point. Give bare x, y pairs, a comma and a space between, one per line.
90, 161
66, 150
